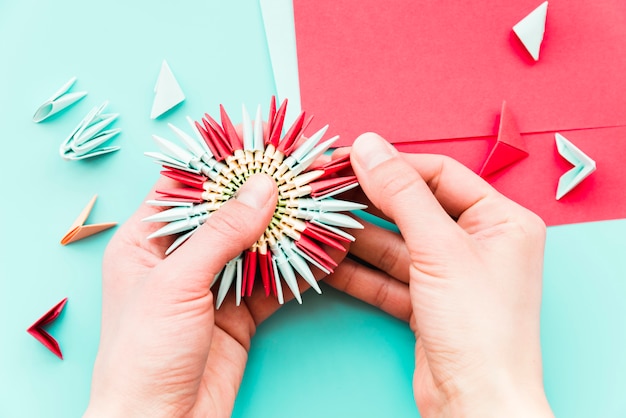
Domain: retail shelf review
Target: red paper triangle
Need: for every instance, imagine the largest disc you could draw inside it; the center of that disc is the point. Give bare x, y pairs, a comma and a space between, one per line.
510, 147
37, 329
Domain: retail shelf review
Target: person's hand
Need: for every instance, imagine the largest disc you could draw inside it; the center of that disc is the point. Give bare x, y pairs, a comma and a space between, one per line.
466, 272
164, 350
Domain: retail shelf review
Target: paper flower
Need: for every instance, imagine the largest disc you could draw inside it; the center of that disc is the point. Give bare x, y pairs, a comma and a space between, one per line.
214, 165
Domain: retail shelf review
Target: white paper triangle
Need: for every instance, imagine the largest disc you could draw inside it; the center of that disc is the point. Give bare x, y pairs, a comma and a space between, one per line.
530, 29
583, 165
167, 92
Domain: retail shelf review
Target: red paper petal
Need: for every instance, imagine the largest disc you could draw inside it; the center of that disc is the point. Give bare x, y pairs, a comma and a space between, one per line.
277, 126
314, 251
323, 187
204, 132
270, 120
288, 142
336, 165
184, 193
229, 130
220, 145
208, 119
194, 180
324, 236
249, 272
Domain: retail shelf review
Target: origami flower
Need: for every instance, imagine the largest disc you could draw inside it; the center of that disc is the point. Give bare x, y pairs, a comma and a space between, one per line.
212, 167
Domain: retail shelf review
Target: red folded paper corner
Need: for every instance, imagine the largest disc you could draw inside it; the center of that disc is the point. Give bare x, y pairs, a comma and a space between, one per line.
37, 329
510, 147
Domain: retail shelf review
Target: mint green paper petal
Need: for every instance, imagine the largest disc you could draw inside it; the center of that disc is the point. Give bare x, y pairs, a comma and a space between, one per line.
59, 101
100, 151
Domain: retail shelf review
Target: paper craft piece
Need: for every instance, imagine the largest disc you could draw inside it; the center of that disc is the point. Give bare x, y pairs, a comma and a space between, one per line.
59, 101
530, 29
37, 329
583, 165
509, 148
217, 161
397, 71
89, 135
281, 42
167, 92
79, 230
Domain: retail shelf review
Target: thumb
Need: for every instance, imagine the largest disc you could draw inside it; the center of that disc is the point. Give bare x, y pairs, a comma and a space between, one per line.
397, 189
229, 231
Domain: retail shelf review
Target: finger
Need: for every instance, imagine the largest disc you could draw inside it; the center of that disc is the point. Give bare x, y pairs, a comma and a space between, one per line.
460, 191
229, 230
373, 287
397, 188
383, 249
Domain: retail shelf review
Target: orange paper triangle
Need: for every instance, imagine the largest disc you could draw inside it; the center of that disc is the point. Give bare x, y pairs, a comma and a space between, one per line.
510, 147
79, 230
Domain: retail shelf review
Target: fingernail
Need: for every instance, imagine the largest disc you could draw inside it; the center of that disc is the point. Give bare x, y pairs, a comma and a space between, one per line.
371, 150
256, 191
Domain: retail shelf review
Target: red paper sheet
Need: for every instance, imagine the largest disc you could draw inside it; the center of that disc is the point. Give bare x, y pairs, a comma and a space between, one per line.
420, 70
532, 182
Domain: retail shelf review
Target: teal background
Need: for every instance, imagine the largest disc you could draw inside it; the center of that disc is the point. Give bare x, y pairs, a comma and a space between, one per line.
333, 356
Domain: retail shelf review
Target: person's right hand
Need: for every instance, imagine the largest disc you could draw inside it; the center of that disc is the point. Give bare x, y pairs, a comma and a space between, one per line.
466, 272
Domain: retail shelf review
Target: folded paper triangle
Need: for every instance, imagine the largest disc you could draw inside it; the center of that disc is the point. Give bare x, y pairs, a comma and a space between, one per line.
510, 147
583, 165
167, 92
530, 29
37, 329
79, 230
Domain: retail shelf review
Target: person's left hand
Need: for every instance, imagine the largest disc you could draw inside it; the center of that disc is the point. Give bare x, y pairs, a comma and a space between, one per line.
164, 350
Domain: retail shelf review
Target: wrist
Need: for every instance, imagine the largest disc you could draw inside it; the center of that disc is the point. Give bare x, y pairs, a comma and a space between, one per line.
500, 400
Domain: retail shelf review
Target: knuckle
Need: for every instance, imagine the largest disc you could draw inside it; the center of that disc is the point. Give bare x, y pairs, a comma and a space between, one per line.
533, 226
228, 225
382, 293
343, 277
397, 183
388, 257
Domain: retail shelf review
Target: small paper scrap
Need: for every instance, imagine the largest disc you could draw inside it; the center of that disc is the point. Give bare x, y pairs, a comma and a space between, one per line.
59, 101
530, 29
167, 92
79, 230
583, 165
37, 329
89, 135
510, 147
